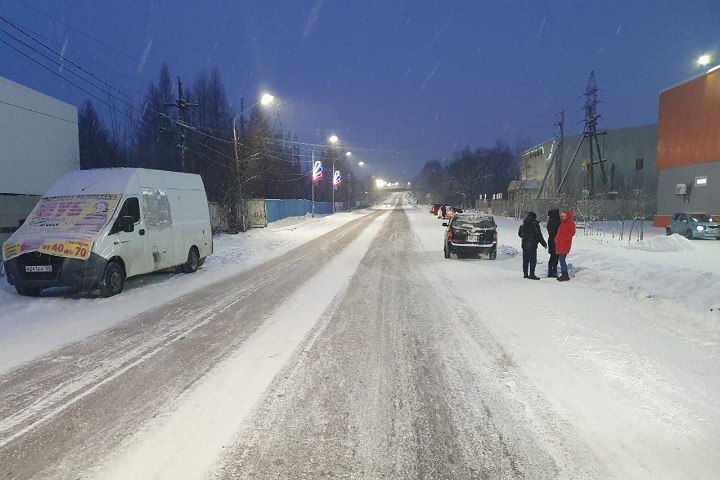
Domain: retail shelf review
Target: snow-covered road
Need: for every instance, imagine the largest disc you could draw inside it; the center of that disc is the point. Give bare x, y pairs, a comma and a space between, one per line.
365, 354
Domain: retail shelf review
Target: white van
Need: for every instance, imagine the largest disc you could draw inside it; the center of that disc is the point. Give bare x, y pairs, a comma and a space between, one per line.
94, 228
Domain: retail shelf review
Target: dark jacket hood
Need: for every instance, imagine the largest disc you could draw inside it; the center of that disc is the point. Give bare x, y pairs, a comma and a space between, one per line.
531, 217
554, 214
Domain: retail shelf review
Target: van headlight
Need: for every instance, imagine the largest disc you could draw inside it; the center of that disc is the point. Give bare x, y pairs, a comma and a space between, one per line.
700, 228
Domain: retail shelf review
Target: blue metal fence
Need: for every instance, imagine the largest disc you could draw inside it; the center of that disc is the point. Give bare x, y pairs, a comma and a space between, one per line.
279, 209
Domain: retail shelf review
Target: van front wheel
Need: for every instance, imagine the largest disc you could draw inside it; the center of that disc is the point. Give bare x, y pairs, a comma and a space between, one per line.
193, 261
113, 279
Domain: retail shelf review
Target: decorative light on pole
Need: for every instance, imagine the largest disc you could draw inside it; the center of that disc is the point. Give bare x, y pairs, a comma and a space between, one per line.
317, 175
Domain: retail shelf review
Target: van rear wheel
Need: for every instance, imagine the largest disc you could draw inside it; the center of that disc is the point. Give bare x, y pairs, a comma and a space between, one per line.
113, 279
193, 261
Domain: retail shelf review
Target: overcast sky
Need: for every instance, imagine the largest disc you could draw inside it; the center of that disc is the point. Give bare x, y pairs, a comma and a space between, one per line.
400, 82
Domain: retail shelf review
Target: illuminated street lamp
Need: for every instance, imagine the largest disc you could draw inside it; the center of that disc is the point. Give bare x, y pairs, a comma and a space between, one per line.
704, 60
266, 99
361, 163
333, 139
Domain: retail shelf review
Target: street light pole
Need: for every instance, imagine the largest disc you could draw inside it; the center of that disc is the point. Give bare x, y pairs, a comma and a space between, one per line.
348, 155
333, 140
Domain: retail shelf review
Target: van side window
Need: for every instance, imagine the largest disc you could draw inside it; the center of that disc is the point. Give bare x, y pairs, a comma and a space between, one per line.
131, 208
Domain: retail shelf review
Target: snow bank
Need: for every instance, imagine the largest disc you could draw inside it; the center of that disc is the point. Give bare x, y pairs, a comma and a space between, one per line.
673, 243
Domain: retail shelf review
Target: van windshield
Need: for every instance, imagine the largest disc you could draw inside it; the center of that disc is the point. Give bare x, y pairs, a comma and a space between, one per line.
81, 215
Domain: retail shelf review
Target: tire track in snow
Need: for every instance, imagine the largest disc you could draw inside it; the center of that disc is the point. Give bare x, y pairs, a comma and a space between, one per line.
71, 407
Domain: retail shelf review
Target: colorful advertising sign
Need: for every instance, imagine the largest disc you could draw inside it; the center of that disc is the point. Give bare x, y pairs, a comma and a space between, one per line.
63, 226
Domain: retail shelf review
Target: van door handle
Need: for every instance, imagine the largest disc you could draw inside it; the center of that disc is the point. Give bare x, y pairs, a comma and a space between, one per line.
142, 231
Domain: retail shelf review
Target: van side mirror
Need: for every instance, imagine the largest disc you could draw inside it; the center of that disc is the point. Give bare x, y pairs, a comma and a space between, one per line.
444, 224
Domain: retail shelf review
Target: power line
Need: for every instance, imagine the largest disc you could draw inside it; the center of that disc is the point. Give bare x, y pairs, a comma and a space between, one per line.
19, 29
59, 64
54, 72
39, 113
87, 35
86, 57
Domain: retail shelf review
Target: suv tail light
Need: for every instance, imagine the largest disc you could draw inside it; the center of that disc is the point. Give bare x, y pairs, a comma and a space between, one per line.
450, 234
495, 236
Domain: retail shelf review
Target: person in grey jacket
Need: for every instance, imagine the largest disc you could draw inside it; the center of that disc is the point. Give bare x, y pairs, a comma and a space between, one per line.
531, 235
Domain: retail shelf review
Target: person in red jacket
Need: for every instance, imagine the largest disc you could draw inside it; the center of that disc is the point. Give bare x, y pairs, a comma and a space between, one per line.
563, 242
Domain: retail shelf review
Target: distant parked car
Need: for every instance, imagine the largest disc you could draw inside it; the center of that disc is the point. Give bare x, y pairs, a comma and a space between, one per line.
693, 225
470, 234
448, 211
434, 208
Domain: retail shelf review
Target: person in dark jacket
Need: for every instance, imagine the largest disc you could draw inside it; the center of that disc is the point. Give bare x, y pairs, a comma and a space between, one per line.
553, 224
531, 235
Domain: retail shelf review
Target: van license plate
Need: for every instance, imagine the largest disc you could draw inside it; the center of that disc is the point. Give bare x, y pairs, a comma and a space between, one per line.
38, 268
473, 238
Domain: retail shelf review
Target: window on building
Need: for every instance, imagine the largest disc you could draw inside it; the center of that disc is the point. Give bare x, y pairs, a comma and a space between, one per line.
701, 181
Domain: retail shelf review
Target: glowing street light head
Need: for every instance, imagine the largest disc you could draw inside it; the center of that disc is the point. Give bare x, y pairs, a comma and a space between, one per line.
333, 139
348, 154
361, 163
704, 60
380, 183
266, 99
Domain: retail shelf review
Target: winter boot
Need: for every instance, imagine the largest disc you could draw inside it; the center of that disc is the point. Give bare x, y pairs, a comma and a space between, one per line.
564, 277
534, 277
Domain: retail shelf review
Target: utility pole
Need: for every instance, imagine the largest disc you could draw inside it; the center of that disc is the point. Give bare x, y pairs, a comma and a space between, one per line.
182, 105
242, 116
555, 166
590, 133
561, 148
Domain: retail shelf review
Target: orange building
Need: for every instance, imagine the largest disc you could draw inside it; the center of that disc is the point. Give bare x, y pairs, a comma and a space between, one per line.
688, 147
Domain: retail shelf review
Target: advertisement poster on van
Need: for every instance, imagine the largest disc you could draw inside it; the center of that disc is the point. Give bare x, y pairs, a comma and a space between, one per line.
63, 226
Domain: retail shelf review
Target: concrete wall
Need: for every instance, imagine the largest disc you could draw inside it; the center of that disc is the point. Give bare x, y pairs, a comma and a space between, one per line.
699, 199
39, 144
39, 138
13, 209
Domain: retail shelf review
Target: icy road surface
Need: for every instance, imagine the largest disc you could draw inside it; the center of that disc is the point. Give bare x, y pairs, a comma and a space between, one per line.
365, 354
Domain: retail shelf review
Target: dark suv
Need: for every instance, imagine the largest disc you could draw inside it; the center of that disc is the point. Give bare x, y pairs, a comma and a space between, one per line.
470, 234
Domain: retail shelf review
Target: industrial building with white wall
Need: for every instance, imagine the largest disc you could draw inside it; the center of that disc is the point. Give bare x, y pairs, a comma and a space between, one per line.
39, 139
